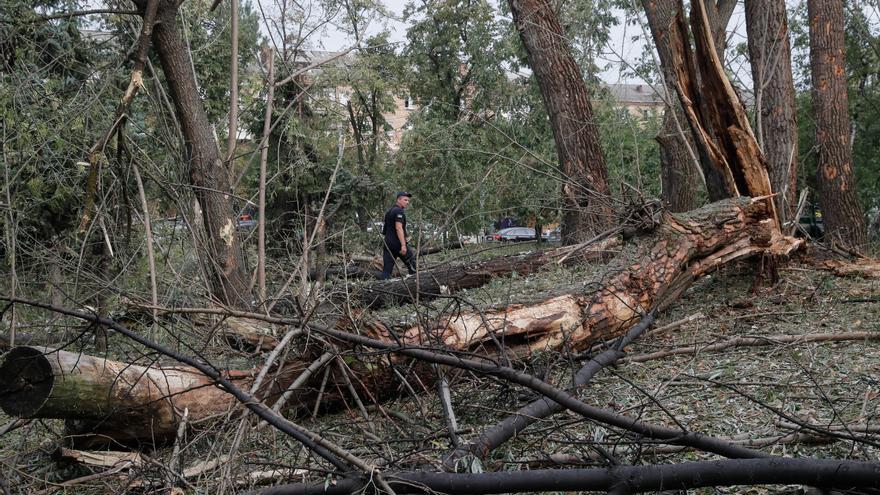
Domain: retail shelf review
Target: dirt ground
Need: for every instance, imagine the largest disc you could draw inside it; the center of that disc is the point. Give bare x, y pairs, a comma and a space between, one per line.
756, 394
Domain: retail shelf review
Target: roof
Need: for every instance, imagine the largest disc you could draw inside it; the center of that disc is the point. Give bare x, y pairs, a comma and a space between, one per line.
637, 94
650, 95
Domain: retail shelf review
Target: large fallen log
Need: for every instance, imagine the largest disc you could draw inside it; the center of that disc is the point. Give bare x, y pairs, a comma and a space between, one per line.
123, 401
444, 280
128, 402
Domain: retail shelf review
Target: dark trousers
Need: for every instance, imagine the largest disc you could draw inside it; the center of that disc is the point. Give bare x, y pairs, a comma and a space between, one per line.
389, 253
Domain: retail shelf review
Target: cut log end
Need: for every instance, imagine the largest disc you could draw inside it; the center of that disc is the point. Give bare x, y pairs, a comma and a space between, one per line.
26, 381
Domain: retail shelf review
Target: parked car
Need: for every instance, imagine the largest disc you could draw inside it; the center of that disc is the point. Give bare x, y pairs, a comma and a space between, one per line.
513, 234
245, 223
554, 235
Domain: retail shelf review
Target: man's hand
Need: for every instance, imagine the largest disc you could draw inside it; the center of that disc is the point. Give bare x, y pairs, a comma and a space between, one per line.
403, 250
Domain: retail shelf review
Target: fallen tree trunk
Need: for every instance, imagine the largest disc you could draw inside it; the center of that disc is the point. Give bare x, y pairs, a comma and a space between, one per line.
651, 274
125, 402
445, 280
131, 402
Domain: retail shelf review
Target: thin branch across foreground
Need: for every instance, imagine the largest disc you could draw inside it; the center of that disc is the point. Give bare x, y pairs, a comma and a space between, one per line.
823, 473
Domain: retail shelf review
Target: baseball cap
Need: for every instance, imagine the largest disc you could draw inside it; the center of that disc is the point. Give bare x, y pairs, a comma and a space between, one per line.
404, 193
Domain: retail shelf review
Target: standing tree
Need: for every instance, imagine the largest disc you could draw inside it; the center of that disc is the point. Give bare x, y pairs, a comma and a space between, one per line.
776, 112
208, 176
844, 220
582, 164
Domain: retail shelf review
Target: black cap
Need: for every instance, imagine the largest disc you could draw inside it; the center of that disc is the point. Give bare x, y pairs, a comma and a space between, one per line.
404, 193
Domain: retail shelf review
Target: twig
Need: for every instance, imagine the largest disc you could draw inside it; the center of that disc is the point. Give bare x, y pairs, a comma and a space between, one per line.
674, 325
446, 403
148, 232
321, 392
264, 158
343, 371
14, 425
301, 379
174, 463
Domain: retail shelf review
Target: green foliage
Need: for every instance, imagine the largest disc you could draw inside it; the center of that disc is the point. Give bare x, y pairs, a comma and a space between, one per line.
494, 155
47, 65
631, 152
587, 25
456, 52
209, 35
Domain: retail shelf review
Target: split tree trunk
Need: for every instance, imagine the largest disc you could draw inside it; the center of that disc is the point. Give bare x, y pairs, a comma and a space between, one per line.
681, 179
844, 218
585, 191
770, 54
134, 403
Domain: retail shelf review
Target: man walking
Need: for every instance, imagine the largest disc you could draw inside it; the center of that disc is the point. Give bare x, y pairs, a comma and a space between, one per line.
394, 243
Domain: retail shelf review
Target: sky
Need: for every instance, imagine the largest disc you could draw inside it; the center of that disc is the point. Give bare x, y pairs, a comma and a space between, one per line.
623, 50
626, 46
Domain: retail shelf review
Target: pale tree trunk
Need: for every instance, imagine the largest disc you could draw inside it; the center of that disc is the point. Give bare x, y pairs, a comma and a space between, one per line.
844, 219
229, 283
269, 54
776, 113
681, 180
581, 162
123, 401
233, 89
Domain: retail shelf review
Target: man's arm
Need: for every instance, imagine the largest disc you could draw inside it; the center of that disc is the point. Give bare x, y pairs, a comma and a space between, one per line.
398, 226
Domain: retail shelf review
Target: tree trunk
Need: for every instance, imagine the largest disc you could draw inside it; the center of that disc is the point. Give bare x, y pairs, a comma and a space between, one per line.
679, 178
229, 284
844, 219
430, 284
122, 401
581, 162
681, 249
776, 113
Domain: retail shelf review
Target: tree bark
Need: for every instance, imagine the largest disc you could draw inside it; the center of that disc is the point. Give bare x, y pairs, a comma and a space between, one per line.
776, 112
656, 478
229, 284
125, 402
844, 218
581, 162
680, 179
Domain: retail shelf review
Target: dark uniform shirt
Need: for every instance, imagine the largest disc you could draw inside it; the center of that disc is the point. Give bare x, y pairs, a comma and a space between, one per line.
393, 215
